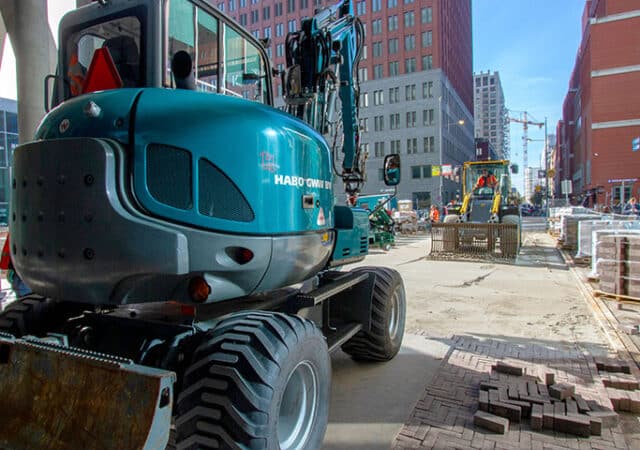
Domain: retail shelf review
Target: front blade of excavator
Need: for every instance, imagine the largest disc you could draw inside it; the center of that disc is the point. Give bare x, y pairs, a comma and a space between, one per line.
55, 397
474, 240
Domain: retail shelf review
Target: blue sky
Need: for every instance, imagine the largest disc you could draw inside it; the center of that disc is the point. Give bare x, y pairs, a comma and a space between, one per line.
533, 44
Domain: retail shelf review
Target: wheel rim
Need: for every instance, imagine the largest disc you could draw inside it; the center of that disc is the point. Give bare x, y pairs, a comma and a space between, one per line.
298, 407
396, 314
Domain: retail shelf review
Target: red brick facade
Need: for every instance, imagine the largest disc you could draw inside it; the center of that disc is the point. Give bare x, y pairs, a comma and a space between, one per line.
601, 112
441, 31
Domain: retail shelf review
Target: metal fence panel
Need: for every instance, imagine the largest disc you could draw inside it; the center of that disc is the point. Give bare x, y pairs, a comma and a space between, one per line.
498, 240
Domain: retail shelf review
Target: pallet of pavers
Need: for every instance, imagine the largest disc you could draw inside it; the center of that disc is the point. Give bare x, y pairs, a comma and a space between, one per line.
511, 395
569, 229
618, 264
587, 234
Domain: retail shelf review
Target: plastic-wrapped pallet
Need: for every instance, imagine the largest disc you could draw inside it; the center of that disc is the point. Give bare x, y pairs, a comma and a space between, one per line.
569, 228
586, 235
556, 215
618, 263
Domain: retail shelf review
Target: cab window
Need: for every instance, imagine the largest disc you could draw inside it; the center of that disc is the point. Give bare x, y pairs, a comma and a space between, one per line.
232, 66
121, 36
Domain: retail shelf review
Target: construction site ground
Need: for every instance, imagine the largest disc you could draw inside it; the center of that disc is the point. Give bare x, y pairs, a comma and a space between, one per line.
462, 317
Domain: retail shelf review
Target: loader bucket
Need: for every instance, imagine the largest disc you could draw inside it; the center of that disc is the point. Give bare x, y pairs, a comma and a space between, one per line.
474, 240
55, 397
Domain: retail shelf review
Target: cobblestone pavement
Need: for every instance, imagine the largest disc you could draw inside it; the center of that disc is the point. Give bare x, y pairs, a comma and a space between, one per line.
443, 417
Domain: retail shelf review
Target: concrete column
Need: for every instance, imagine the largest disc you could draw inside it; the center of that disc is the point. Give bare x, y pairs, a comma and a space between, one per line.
3, 38
35, 51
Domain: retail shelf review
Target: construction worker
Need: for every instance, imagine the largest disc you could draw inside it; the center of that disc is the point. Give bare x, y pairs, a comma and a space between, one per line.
434, 214
486, 180
76, 74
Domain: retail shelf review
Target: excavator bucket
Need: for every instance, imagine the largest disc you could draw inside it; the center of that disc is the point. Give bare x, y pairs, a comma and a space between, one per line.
57, 397
474, 241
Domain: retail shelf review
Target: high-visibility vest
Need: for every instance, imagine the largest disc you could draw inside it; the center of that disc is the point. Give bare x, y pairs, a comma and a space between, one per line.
5, 260
76, 75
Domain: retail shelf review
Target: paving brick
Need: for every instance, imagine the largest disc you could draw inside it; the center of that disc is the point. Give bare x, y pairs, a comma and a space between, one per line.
621, 381
596, 426
619, 398
536, 417
547, 416
488, 385
511, 412
634, 402
543, 390
502, 367
561, 391
483, 401
572, 424
549, 379
572, 406
609, 419
583, 407
525, 407
559, 409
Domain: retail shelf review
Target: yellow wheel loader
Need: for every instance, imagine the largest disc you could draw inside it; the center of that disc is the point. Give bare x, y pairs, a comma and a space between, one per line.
487, 222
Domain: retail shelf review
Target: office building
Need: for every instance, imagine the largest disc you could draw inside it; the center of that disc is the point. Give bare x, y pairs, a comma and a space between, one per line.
490, 112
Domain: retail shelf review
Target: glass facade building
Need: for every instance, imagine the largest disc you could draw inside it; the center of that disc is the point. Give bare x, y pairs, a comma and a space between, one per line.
8, 143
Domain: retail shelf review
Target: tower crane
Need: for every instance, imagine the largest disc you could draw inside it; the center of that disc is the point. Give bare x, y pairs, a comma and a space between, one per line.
525, 119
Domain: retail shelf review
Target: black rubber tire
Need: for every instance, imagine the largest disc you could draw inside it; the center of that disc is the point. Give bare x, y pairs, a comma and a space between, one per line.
378, 344
32, 314
232, 391
510, 240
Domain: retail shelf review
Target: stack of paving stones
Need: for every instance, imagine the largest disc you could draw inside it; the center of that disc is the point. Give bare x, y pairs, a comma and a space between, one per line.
618, 264
443, 417
623, 388
513, 396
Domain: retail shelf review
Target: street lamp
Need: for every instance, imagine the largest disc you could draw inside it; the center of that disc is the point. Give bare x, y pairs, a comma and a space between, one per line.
459, 122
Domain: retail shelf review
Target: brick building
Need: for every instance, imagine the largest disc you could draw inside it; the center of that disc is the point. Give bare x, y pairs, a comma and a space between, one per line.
601, 111
416, 82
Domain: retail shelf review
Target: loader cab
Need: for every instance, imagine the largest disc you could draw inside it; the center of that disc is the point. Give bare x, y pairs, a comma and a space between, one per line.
141, 39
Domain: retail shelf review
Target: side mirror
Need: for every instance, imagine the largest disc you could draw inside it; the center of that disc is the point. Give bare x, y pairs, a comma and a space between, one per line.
514, 169
392, 170
182, 69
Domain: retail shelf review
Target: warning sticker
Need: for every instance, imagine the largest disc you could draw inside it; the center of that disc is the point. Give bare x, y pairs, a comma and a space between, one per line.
321, 221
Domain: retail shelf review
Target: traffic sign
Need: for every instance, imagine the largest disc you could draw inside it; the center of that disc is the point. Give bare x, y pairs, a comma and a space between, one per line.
635, 144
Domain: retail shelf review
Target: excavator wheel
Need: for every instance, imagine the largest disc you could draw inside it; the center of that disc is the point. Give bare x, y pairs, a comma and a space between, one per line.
388, 310
258, 380
31, 314
510, 239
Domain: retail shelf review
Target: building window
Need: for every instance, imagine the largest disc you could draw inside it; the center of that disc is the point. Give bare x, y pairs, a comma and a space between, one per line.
377, 71
427, 39
412, 145
393, 68
277, 9
364, 100
426, 15
377, 49
392, 4
409, 65
291, 6
221, 6
378, 123
378, 98
266, 13
394, 121
304, 4
232, 5
429, 144
267, 32
410, 92
243, 20
393, 46
279, 29
376, 26
392, 23
411, 119
379, 149
416, 172
427, 89
364, 124
395, 146
292, 25
363, 74
428, 117
409, 19
427, 62
361, 8
280, 50
394, 94
410, 42
376, 5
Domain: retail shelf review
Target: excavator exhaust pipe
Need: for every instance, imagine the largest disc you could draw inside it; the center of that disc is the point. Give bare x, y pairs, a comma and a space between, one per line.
474, 240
